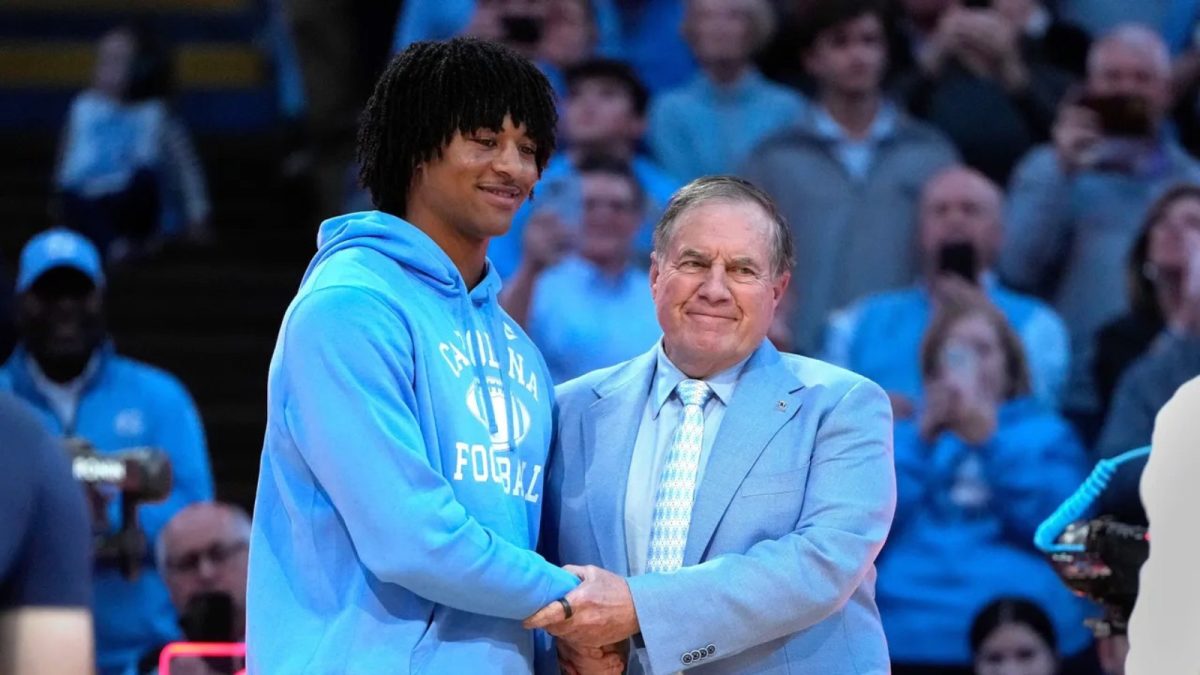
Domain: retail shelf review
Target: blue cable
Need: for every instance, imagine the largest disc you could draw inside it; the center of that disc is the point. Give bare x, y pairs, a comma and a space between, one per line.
1079, 503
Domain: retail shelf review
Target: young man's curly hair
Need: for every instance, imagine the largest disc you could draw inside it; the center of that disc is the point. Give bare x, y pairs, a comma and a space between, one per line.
432, 90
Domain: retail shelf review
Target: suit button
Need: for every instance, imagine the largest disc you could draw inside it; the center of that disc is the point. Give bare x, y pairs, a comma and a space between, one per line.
697, 654
710, 650
687, 659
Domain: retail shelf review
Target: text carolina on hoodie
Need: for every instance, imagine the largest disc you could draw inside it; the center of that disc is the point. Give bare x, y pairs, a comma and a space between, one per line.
399, 498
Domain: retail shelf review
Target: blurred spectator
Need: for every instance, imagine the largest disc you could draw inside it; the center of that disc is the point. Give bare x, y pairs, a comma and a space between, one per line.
127, 174
570, 37
1044, 37
45, 556
1173, 19
1173, 359
605, 116
710, 125
960, 236
984, 81
978, 469
203, 553
847, 175
1155, 278
66, 367
1075, 205
593, 309
632, 30
441, 20
1013, 636
340, 49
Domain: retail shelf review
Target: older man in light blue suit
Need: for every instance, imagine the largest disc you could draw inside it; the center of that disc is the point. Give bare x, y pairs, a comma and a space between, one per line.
736, 496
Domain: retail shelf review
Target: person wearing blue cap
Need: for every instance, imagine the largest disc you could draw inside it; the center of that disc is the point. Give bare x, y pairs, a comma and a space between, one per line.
65, 366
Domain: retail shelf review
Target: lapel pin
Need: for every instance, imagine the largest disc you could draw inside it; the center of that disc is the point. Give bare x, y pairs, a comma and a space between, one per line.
781, 406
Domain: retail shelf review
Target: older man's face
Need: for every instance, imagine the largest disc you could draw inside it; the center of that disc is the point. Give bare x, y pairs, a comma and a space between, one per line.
205, 553
1118, 69
714, 287
960, 206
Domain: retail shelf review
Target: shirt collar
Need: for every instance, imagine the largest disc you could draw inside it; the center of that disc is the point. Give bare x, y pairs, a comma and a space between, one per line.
667, 376
49, 388
882, 126
750, 80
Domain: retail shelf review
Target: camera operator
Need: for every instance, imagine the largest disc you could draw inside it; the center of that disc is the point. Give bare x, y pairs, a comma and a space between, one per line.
45, 581
1076, 204
66, 367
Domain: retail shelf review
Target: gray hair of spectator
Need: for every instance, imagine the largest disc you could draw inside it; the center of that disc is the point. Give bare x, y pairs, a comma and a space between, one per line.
1135, 36
996, 192
761, 15
241, 526
728, 189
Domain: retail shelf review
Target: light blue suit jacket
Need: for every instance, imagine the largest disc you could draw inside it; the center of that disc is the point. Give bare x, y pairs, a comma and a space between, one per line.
795, 504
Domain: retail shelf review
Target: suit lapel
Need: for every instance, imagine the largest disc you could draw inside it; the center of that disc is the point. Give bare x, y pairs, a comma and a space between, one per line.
610, 427
754, 416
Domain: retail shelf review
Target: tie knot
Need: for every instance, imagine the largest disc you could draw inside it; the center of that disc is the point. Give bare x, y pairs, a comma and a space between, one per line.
694, 392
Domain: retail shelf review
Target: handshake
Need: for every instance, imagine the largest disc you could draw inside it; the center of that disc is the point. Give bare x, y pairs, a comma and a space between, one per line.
592, 624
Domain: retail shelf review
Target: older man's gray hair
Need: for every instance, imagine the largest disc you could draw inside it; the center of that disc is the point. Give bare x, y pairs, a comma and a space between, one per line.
728, 189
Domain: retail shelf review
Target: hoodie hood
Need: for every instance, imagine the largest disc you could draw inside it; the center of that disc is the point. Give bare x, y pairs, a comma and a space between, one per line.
404, 243
409, 246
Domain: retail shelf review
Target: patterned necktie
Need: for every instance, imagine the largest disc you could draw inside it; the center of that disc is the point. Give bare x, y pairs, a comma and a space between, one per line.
677, 485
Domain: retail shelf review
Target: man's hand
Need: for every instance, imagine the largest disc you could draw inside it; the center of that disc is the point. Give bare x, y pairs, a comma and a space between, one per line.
951, 289
545, 241
1075, 131
602, 610
575, 660
990, 46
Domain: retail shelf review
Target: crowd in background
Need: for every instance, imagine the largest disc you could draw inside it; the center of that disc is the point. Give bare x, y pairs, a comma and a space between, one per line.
996, 206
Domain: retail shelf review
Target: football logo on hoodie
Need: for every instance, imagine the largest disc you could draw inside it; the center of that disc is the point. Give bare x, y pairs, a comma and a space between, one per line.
512, 420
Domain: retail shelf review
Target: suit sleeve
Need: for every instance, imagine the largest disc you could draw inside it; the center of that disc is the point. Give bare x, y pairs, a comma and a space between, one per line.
352, 411
783, 586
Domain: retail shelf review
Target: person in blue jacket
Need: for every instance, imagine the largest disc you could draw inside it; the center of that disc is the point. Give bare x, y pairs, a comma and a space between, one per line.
978, 469
65, 366
409, 417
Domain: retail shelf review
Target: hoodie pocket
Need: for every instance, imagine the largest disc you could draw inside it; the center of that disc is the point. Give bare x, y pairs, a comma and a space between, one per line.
424, 646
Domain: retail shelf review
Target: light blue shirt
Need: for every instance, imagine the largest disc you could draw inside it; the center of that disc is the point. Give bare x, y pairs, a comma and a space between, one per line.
854, 154
582, 319
704, 128
662, 415
879, 337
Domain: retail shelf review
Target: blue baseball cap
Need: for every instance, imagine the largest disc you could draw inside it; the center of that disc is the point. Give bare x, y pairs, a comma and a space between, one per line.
58, 247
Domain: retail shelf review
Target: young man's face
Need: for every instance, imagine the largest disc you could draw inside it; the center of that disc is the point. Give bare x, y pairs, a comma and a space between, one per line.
849, 58
473, 190
600, 110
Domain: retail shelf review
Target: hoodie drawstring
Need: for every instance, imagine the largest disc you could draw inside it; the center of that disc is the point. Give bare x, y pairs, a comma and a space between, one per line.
476, 349
500, 344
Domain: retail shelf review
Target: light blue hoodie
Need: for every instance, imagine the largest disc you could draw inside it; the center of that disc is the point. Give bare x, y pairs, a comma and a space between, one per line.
397, 503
